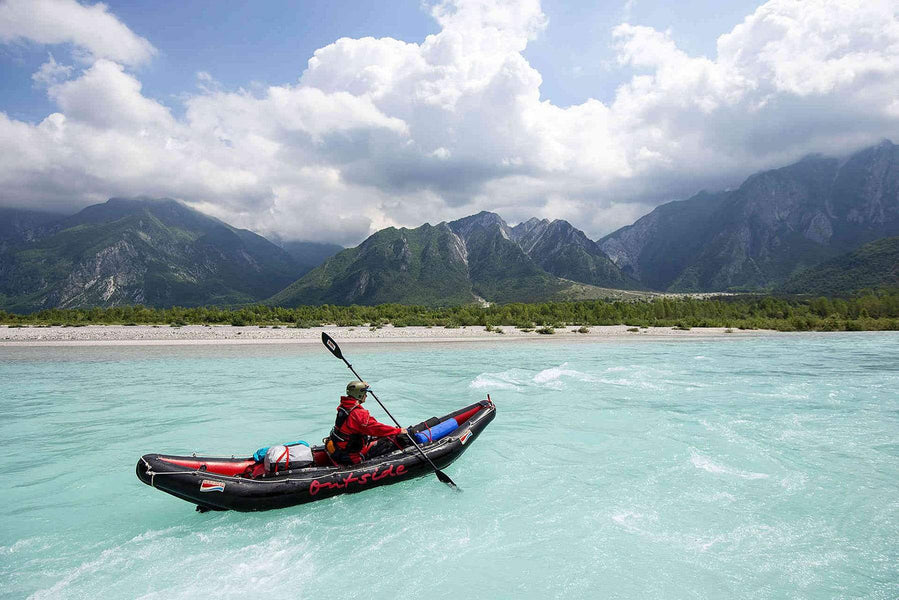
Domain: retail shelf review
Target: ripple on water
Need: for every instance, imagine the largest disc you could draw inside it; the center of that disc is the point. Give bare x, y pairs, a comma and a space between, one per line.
706, 464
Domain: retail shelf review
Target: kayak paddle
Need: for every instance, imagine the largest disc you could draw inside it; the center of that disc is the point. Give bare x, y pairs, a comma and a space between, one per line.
331, 345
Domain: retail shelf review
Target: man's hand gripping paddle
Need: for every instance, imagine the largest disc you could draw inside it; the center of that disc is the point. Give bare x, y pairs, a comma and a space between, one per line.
331, 345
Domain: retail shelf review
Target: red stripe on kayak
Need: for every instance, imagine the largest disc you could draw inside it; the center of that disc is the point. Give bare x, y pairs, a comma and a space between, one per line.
230, 468
467, 414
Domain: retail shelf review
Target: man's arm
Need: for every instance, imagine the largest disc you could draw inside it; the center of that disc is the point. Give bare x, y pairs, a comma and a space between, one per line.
368, 425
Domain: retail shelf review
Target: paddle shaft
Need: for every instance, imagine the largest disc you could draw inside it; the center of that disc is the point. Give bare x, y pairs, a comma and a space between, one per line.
335, 350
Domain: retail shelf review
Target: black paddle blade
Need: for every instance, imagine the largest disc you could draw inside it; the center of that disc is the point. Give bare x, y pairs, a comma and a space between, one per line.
445, 479
331, 345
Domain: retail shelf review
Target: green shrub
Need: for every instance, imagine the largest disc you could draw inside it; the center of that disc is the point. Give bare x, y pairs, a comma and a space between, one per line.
872, 309
854, 325
546, 330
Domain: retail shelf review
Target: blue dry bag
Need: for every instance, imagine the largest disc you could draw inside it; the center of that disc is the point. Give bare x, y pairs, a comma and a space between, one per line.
436, 432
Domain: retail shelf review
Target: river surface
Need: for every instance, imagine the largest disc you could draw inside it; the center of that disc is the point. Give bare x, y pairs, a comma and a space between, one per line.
764, 467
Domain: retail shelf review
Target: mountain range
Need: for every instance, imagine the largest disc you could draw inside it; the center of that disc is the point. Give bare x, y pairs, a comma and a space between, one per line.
476, 258
135, 251
800, 228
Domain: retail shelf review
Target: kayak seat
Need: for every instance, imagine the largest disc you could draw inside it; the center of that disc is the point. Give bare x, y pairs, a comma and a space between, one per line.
320, 457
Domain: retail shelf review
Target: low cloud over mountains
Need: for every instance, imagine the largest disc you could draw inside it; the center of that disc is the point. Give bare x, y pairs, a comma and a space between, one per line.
379, 132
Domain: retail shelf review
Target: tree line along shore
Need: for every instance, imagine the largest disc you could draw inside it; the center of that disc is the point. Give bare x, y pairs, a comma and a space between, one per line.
866, 311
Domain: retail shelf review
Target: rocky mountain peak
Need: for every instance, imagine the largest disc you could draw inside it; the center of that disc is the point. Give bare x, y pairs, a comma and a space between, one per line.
564, 228
525, 228
483, 221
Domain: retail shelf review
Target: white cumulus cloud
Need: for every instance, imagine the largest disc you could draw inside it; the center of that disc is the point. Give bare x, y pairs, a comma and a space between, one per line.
379, 132
92, 29
51, 73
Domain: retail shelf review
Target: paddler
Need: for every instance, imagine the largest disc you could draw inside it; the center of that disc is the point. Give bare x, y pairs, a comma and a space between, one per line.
350, 440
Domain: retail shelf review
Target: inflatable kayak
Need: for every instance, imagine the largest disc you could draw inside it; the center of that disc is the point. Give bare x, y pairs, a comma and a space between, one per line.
244, 484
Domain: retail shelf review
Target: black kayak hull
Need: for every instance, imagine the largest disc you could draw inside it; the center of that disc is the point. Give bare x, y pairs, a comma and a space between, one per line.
211, 490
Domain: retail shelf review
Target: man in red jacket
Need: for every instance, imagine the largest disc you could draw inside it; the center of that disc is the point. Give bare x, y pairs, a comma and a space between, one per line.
349, 441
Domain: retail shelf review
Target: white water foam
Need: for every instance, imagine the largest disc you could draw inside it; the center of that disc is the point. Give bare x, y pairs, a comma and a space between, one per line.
555, 378
718, 497
706, 464
231, 572
632, 520
795, 482
551, 378
507, 380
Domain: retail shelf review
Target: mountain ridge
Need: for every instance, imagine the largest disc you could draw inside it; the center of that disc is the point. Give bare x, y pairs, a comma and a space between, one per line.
447, 263
774, 225
141, 251
475, 258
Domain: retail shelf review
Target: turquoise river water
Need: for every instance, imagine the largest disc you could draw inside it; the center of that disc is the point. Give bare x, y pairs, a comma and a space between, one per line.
760, 467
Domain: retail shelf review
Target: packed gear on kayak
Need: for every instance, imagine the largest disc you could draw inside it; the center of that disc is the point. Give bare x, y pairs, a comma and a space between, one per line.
287, 457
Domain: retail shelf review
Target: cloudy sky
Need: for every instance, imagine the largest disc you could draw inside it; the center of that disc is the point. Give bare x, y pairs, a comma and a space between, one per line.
327, 120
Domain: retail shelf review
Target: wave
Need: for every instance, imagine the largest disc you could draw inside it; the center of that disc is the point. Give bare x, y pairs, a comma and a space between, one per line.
506, 380
182, 568
706, 464
553, 378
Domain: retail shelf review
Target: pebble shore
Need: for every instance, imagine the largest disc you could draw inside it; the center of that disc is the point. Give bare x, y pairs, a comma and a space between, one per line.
227, 334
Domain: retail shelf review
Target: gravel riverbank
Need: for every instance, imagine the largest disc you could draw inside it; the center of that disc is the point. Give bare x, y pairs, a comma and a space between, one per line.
227, 334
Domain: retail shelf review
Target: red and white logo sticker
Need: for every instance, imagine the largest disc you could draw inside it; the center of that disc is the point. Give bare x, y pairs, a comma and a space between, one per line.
207, 485
465, 436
